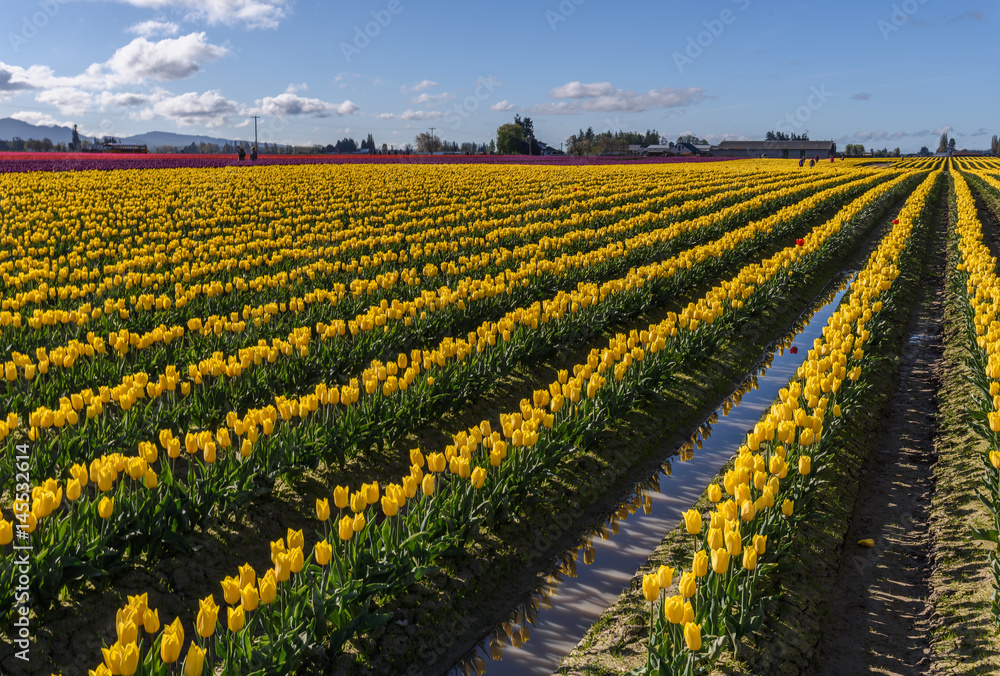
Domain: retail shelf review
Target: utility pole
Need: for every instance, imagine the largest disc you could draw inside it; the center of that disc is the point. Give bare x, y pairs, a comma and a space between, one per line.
255, 144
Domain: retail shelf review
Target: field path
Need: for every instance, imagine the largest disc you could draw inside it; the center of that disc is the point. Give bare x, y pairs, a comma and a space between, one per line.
879, 619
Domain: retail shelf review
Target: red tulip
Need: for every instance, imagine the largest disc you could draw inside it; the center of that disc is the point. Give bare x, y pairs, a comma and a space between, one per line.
896, 222
794, 350
800, 242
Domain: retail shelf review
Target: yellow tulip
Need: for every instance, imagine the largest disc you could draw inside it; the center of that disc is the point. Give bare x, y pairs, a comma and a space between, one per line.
674, 609
749, 558
389, 506
346, 528
323, 509
283, 567
106, 507
787, 507
231, 590
665, 576
714, 493
249, 597
692, 519
720, 561
734, 543
650, 587
688, 585
760, 544
805, 465
340, 497
296, 559
692, 636
322, 553
237, 619
130, 659
151, 621
247, 575
194, 663
295, 539
700, 565
268, 587
208, 615
359, 522
428, 485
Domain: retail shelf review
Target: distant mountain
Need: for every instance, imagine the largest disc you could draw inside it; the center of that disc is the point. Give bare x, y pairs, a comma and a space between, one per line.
9, 128
156, 139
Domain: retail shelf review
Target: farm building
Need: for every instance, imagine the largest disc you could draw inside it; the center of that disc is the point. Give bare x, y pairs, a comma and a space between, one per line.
778, 149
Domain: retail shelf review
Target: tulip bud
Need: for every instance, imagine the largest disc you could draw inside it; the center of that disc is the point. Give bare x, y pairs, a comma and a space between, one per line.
665, 576
151, 621
106, 507
787, 507
700, 565
359, 522
650, 587
249, 597
720, 561
760, 544
231, 590
295, 539
208, 615
805, 465
734, 543
282, 567
237, 619
692, 519
268, 587
692, 636
714, 493
72, 490
688, 585
194, 663
674, 609
428, 485
346, 528
322, 553
340, 497
478, 477
749, 558
323, 509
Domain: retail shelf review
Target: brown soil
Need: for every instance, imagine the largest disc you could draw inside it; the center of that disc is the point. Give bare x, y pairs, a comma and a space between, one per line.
879, 607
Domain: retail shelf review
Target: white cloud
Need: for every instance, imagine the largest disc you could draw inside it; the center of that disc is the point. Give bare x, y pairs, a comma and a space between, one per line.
292, 104
432, 99
169, 59
40, 119
413, 115
578, 90
502, 105
68, 100
861, 96
11, 79
210, 109
252, 13
423, 85
152, 29
577, 97
108, 99
883, 135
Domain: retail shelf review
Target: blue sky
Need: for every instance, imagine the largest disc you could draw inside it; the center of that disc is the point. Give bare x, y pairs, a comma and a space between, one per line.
883, 74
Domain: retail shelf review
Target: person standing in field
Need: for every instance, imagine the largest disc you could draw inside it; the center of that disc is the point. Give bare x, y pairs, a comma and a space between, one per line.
240, 153
253, 153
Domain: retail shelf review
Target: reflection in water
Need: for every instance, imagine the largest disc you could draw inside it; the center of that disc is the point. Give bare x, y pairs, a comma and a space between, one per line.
619, 546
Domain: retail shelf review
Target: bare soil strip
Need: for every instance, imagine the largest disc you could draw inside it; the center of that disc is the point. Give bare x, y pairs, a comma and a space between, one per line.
879, 608
962, 632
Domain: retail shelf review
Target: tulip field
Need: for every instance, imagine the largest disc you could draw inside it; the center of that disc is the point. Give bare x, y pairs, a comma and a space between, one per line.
181, 344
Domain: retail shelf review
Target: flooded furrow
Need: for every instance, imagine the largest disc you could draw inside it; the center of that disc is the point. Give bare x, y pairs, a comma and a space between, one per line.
548, 625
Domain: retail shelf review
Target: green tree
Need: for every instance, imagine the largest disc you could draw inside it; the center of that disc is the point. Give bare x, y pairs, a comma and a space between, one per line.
510, 138
995, 145
951, 145
693, 140
76, 140
943, 144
